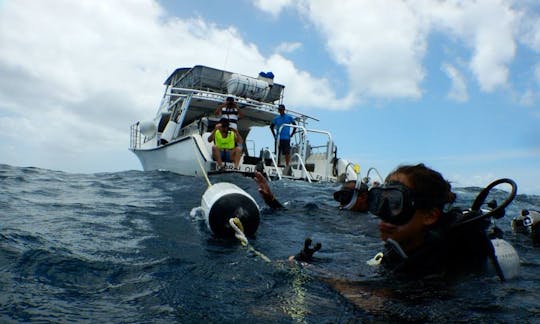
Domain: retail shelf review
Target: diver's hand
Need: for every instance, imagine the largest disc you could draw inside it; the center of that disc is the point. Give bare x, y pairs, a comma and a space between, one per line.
264, 188
306, 255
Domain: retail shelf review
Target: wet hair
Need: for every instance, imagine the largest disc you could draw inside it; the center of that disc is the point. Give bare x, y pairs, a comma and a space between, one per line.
427, 184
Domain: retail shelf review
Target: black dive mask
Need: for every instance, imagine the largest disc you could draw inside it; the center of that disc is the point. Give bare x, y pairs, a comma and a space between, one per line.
392, 202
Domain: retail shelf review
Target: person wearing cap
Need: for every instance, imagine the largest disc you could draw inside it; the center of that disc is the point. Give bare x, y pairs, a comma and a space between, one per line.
285, 135
423, 238
226, 144
229, 110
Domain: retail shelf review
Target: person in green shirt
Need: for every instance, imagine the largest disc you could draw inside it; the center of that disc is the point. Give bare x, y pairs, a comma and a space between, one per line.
227, 144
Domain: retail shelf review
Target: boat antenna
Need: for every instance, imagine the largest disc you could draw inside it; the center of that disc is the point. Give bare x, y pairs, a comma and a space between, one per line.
200, 164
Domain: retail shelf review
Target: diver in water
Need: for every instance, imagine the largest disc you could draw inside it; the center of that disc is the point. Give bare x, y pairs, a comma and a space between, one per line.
423, 237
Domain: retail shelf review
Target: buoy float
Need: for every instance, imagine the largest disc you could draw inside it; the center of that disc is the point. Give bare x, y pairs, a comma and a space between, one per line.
223, 201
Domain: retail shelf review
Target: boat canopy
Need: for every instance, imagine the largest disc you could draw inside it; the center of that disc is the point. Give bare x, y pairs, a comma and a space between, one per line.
205, 78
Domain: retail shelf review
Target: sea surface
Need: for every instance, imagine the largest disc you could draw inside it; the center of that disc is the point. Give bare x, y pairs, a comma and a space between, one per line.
126, 247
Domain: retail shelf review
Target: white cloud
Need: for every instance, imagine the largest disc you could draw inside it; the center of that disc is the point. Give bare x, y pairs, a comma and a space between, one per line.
303, 89
381, 43
288, 47
458, 91
485, 26
274, 7
527, 98
529, 29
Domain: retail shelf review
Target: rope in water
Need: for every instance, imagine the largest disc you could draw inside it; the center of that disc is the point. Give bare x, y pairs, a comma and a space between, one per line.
238, 228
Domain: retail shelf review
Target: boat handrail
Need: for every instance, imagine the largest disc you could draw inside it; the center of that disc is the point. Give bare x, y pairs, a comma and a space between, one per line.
135, 138
304, 170
303, 144
328, 152
272, 157
253, 146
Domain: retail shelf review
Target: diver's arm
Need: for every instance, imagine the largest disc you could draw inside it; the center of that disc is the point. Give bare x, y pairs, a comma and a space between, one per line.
266, 193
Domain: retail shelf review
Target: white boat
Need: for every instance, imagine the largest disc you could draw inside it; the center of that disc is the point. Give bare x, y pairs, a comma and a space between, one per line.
176, 139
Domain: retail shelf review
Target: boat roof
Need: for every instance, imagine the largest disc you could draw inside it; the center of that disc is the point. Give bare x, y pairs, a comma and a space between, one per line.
211, 84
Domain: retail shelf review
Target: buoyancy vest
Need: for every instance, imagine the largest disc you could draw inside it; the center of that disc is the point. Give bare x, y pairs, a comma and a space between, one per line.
224, 143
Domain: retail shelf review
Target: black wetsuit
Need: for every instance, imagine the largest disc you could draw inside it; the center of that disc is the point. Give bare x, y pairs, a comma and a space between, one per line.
450, 251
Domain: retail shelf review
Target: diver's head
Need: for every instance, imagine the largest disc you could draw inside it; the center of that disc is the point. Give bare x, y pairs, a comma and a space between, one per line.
224, 124
352, 196
410, 203
281, 109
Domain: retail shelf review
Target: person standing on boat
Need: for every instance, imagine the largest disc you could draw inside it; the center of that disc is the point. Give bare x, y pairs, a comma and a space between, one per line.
229, 110
285, 134
227, 143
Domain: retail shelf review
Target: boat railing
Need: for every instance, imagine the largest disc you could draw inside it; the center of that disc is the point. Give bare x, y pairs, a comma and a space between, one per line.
206, 78
318, 149
303, 144
221, 97
135, 136
305, 173
253, 147
274, 163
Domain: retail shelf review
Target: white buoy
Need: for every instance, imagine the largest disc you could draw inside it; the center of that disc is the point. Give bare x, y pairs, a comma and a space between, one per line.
223, 201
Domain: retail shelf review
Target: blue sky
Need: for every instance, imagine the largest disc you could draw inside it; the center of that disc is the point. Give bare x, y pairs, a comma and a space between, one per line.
453, 84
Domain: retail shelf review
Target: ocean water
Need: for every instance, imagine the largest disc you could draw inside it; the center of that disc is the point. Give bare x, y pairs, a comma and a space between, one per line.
125, 248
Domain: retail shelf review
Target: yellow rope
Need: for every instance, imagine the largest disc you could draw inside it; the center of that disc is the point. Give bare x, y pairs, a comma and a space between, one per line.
236, 224
238, 228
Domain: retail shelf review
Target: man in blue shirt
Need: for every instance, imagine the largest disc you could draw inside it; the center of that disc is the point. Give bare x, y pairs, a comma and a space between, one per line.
285, 135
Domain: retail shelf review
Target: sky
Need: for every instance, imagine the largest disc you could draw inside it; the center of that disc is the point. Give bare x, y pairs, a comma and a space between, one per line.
452, 84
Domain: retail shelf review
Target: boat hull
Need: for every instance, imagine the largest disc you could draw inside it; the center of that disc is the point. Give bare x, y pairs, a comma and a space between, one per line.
183, 156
